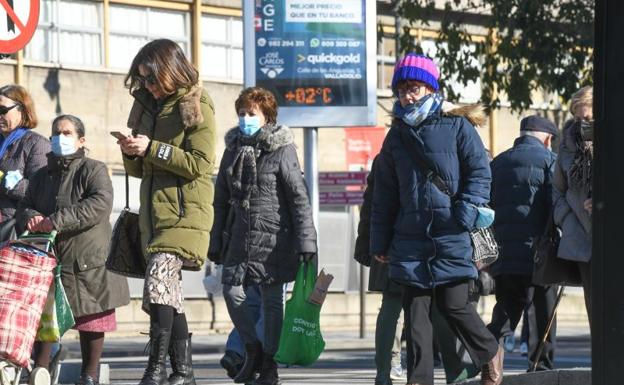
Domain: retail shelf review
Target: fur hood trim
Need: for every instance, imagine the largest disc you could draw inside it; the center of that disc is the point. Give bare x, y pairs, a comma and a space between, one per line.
269, 139
189, 107
475, 113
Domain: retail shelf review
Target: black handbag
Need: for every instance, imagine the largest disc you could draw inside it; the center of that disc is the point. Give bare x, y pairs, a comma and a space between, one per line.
126, 255
548, 269
485, 248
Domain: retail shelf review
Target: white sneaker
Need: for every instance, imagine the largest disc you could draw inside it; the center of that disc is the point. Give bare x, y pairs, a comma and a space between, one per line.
524, 349
509, 343
397, 373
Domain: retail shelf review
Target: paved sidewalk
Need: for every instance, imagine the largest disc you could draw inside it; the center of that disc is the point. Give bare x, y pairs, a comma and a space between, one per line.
215, 343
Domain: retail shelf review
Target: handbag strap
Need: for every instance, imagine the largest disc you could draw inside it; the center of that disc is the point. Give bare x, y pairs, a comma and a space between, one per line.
415, 153
127, 192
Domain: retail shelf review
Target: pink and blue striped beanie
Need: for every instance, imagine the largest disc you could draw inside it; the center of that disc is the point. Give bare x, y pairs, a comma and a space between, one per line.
416, 67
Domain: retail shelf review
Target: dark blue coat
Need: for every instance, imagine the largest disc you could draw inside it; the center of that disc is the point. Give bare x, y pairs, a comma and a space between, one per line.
521, 197
421, 229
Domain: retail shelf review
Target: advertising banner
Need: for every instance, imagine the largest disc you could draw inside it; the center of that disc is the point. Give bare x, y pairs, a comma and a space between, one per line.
362, 145
316, 57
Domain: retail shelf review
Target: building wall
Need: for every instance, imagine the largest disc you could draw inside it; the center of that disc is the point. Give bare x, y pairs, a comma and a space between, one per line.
103, 103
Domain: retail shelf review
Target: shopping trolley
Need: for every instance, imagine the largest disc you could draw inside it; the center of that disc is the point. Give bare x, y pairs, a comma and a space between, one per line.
26, 273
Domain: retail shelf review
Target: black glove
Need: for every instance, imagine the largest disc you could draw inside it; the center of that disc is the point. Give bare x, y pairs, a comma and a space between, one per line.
306, 257
214, 257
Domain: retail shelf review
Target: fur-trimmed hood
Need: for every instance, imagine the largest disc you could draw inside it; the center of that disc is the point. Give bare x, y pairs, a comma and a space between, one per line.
475, 113
269, 139
188, 100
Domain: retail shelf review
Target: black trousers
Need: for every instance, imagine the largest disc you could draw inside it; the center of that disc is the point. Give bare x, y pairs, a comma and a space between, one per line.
513, 294
462, 317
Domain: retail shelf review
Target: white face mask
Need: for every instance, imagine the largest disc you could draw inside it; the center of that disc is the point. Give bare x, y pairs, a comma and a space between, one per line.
63, 145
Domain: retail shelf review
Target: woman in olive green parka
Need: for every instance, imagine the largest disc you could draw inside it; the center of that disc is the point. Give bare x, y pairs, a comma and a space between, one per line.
172, 150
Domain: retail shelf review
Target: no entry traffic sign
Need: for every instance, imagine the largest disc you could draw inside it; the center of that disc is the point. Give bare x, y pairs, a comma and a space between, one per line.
25, 30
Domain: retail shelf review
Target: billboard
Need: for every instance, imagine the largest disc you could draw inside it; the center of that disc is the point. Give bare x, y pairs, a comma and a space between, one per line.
317, 56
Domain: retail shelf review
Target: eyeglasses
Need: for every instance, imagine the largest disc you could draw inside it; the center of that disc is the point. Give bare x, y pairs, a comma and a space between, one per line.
5, 109
151, 79
411, 90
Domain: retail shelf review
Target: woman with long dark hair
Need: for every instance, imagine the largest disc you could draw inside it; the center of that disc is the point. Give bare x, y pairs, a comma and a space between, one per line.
172, 150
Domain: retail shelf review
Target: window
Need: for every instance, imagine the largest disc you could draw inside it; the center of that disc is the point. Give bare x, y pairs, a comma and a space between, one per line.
385, 62
69, 32
222, 47
132, 27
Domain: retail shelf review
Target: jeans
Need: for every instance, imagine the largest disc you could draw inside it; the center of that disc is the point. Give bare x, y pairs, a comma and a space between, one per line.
272, 299
254, 302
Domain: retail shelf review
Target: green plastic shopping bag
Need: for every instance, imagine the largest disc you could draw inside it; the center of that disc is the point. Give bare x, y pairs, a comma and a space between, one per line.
301, 342
57, 316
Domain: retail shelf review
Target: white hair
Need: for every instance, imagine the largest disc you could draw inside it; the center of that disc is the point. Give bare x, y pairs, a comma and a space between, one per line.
542, 136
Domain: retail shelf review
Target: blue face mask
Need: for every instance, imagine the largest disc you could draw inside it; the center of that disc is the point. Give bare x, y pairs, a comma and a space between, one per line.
248, 125
63, 145
485, 218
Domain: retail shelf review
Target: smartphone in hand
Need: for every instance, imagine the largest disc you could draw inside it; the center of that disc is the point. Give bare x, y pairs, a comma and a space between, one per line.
118, 135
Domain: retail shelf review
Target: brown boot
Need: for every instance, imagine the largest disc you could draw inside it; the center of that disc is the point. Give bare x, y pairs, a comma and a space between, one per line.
492, 372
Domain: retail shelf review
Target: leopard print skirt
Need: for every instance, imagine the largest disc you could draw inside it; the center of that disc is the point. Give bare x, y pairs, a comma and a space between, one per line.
163, 282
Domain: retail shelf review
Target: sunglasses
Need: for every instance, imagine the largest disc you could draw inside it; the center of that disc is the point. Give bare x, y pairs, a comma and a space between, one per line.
151, 79
5, 109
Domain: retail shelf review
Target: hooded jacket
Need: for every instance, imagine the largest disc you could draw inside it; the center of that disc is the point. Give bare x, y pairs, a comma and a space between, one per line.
265, 236
176, 172
423, 231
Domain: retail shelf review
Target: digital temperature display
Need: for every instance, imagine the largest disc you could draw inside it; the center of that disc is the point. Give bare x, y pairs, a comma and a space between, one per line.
310, 93
317, 57
309, 96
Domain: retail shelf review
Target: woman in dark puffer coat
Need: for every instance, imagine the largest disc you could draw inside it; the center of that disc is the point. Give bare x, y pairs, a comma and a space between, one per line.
421, 231
263, 225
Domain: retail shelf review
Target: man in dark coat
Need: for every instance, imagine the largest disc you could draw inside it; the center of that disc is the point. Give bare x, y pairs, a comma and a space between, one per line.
521, 196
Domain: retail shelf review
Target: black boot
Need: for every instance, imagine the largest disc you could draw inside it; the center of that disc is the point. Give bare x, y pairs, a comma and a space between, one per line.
181, 362
232, 362
253, 363
268, 373
156, 372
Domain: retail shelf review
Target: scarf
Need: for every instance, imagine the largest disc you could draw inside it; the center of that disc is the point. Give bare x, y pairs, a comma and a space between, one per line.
247, 149
243, 170
581, 169
13, 137
244, 176
416, 113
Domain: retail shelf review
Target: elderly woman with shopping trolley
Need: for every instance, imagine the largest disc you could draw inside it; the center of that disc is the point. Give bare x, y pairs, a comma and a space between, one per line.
73, 195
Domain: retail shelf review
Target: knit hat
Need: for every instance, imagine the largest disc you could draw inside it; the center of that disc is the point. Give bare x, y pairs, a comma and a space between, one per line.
416, 67
537, 123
